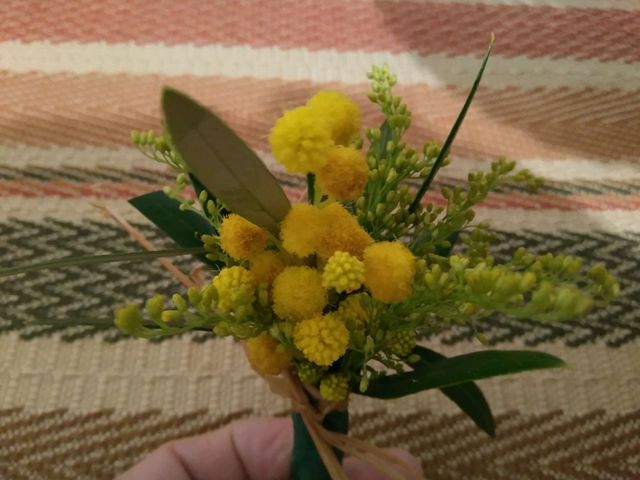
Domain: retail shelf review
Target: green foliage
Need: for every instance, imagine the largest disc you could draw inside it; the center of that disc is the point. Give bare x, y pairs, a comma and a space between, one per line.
460, 370
185, 227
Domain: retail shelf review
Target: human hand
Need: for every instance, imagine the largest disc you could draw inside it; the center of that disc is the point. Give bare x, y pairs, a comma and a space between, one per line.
253, 449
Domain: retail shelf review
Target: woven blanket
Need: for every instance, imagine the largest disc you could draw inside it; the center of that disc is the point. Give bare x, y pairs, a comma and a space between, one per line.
561, 95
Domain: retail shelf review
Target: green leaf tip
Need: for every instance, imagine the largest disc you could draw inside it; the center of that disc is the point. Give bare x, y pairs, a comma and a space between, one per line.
454, 130
222, 161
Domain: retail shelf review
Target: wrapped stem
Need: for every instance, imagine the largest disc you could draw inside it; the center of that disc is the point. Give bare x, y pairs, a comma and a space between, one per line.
306, 461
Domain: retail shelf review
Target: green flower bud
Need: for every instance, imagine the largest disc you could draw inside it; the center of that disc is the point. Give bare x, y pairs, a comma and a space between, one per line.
129, 320
154, 306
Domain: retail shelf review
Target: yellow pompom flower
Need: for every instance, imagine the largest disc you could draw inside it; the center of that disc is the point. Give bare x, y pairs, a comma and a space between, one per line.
235, 286
240, 238
264, 356
298, 293
389, 268
321, 339
342, 112
265, 266
300, 229
334, 387
345, 174
300, 140
341, 231
343, 272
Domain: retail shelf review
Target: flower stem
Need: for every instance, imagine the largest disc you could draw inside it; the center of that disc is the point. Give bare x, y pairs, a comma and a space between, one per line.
306, 463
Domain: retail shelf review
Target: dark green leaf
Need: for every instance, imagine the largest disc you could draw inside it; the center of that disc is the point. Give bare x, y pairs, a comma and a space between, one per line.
99, 259
463, 368
306, 463
184, 227
223, 163
452, 134
467, 395
311, 188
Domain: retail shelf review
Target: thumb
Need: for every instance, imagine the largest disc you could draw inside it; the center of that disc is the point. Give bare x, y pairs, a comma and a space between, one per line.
357, 469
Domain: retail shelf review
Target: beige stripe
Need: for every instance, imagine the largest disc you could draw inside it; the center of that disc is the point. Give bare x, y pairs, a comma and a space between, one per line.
302, 64
99, 110
181, 376
594, 445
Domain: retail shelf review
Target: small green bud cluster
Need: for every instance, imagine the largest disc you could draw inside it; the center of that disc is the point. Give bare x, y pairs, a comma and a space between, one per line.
159, 148
185, 314
397, 115
400, 342
478, 243
334, 387
604, 286
309, 372
546, 288
435, 233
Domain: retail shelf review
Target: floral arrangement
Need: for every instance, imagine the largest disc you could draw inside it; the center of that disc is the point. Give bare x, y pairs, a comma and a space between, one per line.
329, 296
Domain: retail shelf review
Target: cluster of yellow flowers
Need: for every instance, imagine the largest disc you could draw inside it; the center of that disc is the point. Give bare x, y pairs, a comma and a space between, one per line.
351, 275
320, 138
346, 260
316, 277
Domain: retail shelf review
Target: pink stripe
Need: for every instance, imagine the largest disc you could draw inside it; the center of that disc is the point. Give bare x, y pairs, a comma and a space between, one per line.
333, 24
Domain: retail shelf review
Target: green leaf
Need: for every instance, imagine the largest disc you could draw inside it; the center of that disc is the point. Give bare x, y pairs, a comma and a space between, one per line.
467, 396
223, 163
311, 188
461, 369
306, 463
99, 259
184, 227
454, 131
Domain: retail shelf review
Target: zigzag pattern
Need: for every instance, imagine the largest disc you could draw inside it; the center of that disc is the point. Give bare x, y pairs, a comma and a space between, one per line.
76, 294
595, 445
618, 324
91, 294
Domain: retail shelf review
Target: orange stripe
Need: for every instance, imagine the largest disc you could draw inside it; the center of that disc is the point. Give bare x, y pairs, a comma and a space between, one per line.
423, 27
100, 110
129, 189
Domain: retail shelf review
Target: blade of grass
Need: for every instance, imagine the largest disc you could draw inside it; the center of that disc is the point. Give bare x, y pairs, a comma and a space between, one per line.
99, 259
452, 134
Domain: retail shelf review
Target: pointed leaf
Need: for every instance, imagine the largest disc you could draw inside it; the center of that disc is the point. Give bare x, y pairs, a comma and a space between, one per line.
223, 163
467, 396
454, 131
184, 227
100, 259
461, 369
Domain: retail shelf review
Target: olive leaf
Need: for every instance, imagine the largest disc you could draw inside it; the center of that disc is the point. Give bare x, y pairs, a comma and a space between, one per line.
223, 163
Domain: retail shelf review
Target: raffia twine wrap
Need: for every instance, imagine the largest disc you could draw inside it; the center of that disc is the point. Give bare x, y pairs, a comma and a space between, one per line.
303, 398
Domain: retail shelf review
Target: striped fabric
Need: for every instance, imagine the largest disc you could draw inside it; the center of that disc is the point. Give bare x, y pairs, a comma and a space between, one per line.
561, 95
